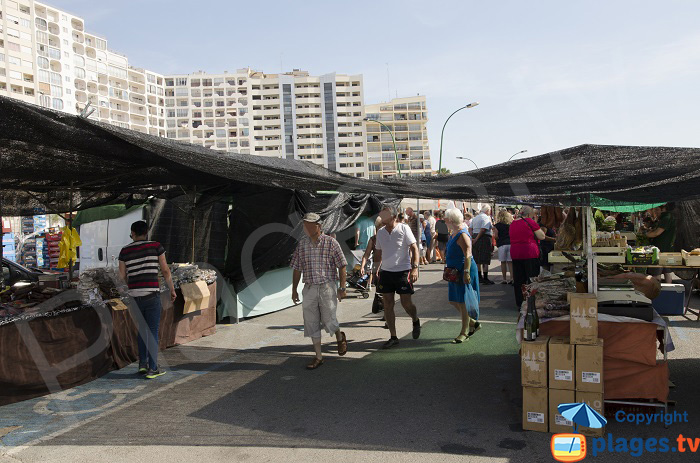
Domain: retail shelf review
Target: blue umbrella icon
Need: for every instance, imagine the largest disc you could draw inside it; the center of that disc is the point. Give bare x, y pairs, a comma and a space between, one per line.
582, 415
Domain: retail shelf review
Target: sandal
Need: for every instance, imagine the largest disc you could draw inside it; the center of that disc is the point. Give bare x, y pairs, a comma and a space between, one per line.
315, 364
343, 345
475, 328
460, 339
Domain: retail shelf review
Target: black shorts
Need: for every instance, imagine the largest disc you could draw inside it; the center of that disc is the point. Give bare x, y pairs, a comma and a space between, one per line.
394, 282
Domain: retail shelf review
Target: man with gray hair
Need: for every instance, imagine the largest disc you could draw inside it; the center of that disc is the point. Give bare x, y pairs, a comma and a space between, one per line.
481, 230
396, 252
320, 259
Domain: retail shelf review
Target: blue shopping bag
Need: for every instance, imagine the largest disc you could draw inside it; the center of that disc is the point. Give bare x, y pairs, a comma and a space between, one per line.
471, 300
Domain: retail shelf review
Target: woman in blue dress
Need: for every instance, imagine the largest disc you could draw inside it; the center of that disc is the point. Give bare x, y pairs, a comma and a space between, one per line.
459, 252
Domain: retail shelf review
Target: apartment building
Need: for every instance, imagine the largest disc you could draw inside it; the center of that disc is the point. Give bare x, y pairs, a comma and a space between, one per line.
406, 118
290, 115
47, 58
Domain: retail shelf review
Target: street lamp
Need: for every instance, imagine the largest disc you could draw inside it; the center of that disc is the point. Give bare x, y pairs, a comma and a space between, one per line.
461, 157
396, 153
442, 135
519, 152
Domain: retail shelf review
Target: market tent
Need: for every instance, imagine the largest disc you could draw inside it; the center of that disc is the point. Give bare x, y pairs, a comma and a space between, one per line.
45, 154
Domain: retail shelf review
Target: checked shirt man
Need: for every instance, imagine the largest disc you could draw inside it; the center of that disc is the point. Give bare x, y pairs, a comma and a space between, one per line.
320, 260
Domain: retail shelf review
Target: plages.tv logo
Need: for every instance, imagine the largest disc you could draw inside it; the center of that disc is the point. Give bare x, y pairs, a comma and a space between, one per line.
573, 447
568, 447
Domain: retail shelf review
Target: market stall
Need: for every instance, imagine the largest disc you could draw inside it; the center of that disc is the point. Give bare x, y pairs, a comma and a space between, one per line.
54, 339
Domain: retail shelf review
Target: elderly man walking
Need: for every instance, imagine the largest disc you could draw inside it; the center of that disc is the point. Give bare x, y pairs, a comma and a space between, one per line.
320, 260
396, 253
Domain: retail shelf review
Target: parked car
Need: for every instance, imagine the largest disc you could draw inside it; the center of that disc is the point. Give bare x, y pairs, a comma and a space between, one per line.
13, 272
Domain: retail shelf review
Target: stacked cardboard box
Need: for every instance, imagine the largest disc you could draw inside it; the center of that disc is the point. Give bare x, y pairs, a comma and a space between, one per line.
588, 355
560, 370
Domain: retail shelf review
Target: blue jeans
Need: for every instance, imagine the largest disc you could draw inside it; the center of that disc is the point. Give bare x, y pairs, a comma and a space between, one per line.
148, 322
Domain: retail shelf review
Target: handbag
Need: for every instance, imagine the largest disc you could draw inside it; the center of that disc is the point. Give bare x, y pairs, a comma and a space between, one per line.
452, 275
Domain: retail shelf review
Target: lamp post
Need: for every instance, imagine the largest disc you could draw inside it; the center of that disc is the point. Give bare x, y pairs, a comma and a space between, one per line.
442, 135
396, 153
462, 157
519, 152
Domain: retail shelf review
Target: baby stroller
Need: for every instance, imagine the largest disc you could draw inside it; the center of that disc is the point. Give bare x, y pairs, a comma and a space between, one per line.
357, 282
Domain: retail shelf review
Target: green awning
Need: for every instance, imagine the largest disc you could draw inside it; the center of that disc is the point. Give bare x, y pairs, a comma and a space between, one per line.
113, 211
621, 206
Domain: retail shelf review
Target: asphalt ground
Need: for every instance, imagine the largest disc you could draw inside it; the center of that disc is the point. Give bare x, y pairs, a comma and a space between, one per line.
244, 394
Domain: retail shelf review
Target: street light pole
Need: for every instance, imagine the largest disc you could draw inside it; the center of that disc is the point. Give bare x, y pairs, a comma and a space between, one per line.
461, 157
442, 135
393, 140
519, 152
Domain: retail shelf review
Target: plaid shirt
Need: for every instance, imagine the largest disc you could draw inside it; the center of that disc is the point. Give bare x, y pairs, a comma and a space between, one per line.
318, 262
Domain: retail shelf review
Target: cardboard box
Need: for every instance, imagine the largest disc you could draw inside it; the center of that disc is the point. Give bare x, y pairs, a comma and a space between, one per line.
535, 405
562, 364
196, 296
558, 423
589, 367
116, 304
596, 402
584, 318
533, 362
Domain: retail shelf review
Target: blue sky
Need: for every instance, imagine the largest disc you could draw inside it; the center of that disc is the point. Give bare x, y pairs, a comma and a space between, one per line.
548, 74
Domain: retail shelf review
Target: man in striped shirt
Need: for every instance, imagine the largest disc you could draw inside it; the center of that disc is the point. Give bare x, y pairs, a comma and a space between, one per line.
139, 263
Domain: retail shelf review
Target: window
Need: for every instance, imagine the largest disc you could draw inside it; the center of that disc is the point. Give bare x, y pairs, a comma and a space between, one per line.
57, 103
42, 37
27, 50
181, 91
2, 57
56, 91
13, 46
169, 82
27, 64
80, 73
15, 75
78, 60
25, 36
181, 81
182, 112
13, 33
14, 60
43, 75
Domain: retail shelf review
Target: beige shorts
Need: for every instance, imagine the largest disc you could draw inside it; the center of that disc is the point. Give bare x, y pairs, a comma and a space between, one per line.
319, 305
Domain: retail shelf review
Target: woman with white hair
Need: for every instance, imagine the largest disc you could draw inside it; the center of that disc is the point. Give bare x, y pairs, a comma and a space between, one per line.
459, 261
481, 229
525, 235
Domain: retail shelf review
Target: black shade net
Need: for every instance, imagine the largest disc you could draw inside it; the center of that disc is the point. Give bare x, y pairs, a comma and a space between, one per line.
265, 228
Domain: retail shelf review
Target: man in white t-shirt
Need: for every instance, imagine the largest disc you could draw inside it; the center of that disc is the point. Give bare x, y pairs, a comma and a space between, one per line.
396, 251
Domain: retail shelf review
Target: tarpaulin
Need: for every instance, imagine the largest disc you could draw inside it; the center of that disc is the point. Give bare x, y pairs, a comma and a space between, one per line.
176, 223
55, 159
65, 339
264, 237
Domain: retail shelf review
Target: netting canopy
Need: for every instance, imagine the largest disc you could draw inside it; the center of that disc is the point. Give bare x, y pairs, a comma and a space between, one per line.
66, 162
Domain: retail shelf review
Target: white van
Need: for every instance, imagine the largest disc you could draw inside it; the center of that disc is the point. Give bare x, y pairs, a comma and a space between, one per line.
102, 240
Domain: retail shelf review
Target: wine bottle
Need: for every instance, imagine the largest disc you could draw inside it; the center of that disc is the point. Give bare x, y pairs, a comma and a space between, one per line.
530, 334
531, 303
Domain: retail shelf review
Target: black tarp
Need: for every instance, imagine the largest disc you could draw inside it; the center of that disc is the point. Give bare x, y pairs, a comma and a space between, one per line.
176, 223
265, 227
49, 154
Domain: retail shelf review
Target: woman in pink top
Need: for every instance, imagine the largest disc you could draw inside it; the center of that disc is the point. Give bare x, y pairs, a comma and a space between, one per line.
525, 235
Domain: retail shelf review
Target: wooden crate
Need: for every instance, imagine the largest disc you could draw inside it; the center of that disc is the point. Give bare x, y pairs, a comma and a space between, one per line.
690, 261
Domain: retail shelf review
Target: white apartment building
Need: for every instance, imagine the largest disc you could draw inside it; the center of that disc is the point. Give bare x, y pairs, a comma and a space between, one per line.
290, 115
47, 58
406, 118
